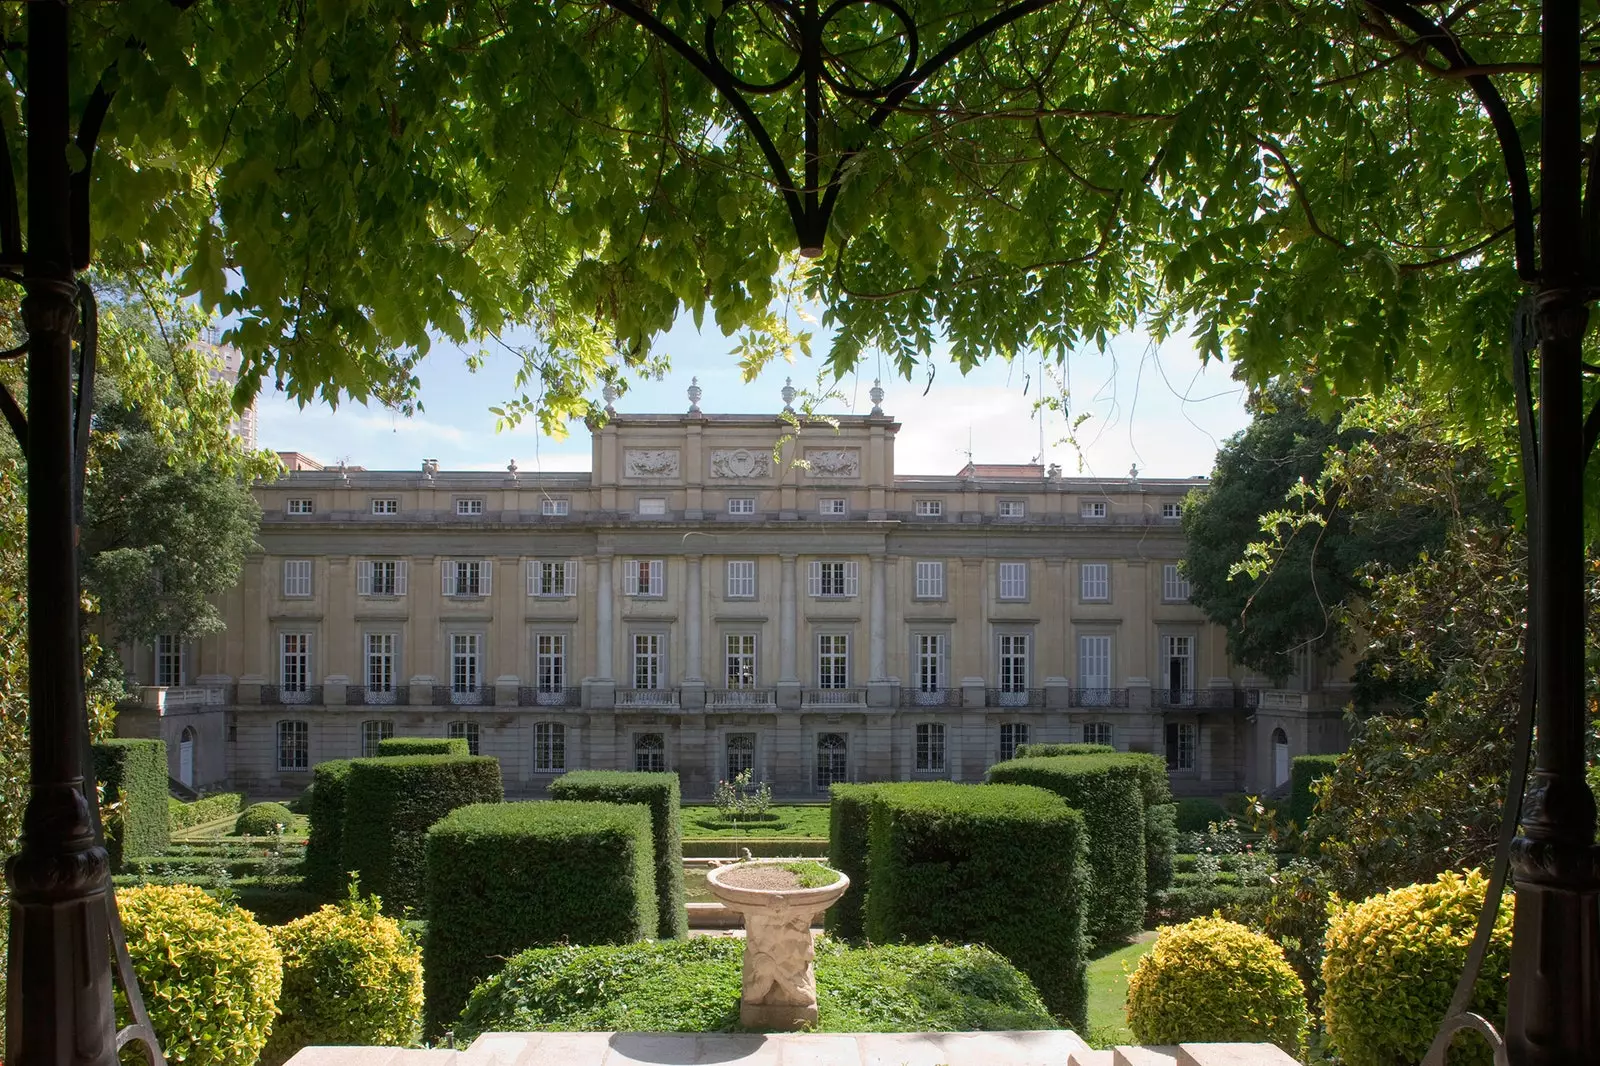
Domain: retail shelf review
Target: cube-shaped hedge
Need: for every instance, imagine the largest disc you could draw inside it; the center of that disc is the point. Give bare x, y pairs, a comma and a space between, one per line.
509, 876
1108, 791
390, 747
1305, 771
134, 773
1001, 865
390, 804
323, 868
1050, 751
660, 793
849, 819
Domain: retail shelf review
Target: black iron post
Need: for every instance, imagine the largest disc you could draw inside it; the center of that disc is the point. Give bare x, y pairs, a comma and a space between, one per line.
1554, 1009
60, 1010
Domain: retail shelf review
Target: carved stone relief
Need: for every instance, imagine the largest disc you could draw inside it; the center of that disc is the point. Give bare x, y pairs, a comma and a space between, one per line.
661, 462
739, 463
834, 462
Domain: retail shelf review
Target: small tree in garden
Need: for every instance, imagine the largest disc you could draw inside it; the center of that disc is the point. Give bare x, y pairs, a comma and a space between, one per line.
735, 800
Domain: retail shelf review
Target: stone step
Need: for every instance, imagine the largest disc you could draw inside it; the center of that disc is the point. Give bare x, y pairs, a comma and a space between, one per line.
1089, 1058
1233, 1055
1038, 1048
1160, 1055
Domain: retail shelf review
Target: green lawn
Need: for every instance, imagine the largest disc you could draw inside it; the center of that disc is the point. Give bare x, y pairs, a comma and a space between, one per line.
1108, 991
788, 822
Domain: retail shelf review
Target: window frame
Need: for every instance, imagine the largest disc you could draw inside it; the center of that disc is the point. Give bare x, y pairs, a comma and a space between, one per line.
733, 582
929, 508
555, 507
1095, 510
832, 660
649, 578
1093, 731
461, 729
742, 505
1013, 662
300, 505
1019, 590
650, 662
375, 731
1103, 584
746, 752
1175, 735
549, 747
734, 661
168, 661
1012, 736
549, 663
930, 748
930, 662
469, 655
297, 745
542, 583
833, 506
370, 658
1011, 509
821, 583
1175, 588
929, 579
650, 757
470, 506
645, 507
293, 577
303, 652
1172, 510
833, 761
385, 505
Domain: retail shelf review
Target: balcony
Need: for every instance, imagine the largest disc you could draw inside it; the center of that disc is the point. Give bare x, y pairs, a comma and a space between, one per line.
279, 696
835, 697
647, 698
1208, 699
363, 696
171, 697
1024, 697
533, 696
741, 699
449, 696
1097, 697
938, 697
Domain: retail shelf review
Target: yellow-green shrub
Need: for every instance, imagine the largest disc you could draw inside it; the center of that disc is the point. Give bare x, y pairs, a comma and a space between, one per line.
350, 976
1212, 980
209, 973
1390, 965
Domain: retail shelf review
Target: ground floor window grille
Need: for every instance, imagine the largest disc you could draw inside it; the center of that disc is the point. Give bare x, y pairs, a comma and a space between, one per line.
650, 753
930, 746
832, 752
833, 660
549, 746
741, 754
372, 734
467, 731
1182, 740
1012, 736
294, 745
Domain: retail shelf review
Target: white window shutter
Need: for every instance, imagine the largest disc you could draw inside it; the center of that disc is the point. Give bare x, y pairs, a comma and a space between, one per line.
630, 577
400, 573
852, 579
569, 578
488, 577
447, 576
814, 579
658, 577
531, 573
363, 578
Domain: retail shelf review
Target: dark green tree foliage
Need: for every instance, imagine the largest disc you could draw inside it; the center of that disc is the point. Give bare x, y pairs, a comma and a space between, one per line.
1305, 771
1196, 813
134, 773
1001, 865
323, 867
661, 794
390, 804
849, 819
509, 876
1106, 790
392, 746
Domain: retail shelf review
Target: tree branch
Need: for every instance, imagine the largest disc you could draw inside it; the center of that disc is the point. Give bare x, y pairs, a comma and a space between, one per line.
15, 417
1276, 150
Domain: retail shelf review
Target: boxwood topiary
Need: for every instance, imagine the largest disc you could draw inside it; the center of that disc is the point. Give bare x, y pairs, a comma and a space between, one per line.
1108, 791
509, 876
210, 975
389, 805
1160, 842
1002, 865
849, 816
1214, 981
390, 747
1196, 813
350, 977
323, 868
262, 820
660, 793
1306, 770
134, 773
1390, 964
1051, 751
183, 815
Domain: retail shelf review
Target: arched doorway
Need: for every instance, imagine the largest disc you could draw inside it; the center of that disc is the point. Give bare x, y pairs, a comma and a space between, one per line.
1280, 757
186, 757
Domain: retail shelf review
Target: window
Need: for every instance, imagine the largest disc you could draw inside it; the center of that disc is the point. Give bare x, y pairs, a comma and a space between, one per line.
372, 734
550, 747
739, 654
466, 668
1095, 581
552, 577
301, 505
930, 508
1013, 669
294, 676
554, 508
644, 577
930, 662
462, 577
833, 579
1094, 670
467, 731
930, 746
1177, 674
1172, 510
741, 754
1181, 743
297, 577
833, 660
470, 506
1091, 508
385, 505
381, 577
294, 745
832, 760
653, 507
647, 660
741, 579
1097, 733
1012, 736
550, 665
1013, 508
380, 667
1013, 581
832, 505
742, 505
169, 661
649, 753
1174, 586
930, 580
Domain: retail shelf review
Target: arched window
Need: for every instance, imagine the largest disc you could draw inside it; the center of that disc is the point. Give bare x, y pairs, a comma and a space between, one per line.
186, 756
1280, 757
649, 753
741, 754
832, 759
550, 747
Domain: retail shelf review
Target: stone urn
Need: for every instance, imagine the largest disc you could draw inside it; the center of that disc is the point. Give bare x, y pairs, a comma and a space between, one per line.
780, 982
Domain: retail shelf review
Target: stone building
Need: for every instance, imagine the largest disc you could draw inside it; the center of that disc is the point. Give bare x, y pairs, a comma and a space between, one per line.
721, 593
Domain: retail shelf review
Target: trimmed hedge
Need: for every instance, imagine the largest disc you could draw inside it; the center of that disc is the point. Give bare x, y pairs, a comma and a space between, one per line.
389, 805
1305, 769
849, 818
1107, 790
390, 747
660, 793
1051, 751
1002, 865
182, 815
1195, 814
134, 773
324, 868
759, 847
1160, 844
263, 820
508, 876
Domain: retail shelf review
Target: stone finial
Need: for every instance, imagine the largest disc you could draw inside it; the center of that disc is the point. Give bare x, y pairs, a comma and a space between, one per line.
511, 468
1133, 472
876, 392
609, 394
788, 395
695, 392
430, 467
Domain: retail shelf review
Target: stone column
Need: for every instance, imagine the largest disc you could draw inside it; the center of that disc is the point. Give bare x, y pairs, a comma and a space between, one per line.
691, 620
603, 604
788, 676
878, 629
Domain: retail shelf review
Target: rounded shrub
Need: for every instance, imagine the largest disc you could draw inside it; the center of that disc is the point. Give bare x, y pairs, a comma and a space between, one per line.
209, 973
1390, 965
262, 820
1214, 981
350, 977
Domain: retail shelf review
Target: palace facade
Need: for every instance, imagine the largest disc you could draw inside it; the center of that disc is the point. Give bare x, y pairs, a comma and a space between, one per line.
721, 593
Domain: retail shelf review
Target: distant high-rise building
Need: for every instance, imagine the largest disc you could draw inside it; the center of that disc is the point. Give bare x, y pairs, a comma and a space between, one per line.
228, 359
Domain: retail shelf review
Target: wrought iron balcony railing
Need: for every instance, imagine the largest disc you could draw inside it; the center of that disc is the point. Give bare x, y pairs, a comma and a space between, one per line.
936, 697
448, 696
1097, 697
364, 696
279, 696
1024, 697
534, 696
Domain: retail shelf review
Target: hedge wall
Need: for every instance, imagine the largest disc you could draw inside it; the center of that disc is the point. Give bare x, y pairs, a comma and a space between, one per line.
389, 805
134, 773
1002, 865
1107, 790
1196, 813
1160, 843
508, 876
1050, 751
660, 793
389, 747
849, 816
324, 868
182, 815
1304, 769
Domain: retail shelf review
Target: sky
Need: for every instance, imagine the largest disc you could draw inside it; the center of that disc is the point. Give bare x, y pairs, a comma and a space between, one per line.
1154, 406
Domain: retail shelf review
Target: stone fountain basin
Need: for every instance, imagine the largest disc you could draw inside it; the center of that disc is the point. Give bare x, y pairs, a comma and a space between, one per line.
742, 898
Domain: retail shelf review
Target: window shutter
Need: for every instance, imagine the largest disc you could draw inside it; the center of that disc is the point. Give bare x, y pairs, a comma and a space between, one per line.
814, 579
531, 572
658, 579
364, 578
569, 578
488, 577
400, 568
630, 577
852, 579
447, 576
